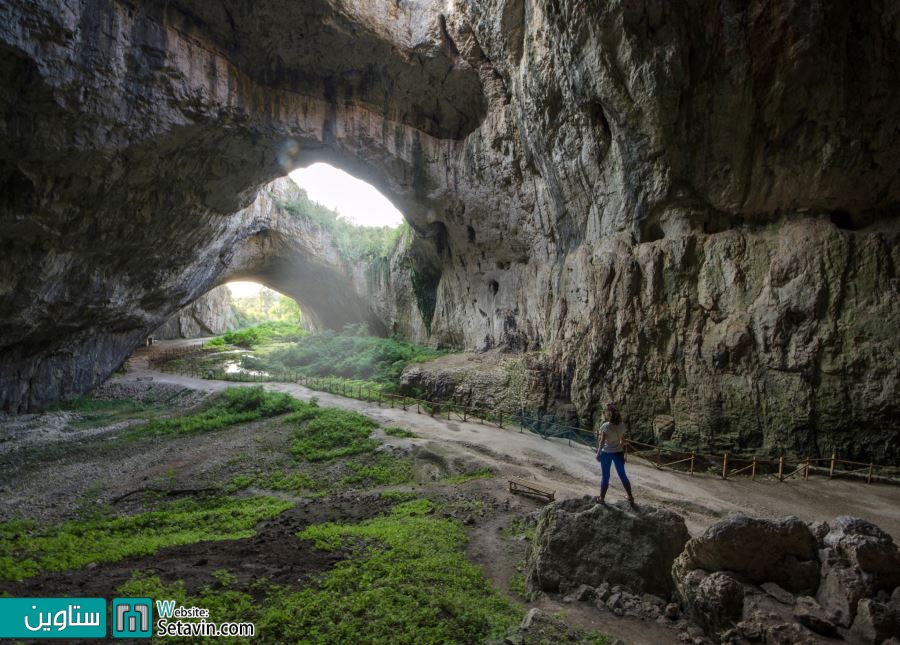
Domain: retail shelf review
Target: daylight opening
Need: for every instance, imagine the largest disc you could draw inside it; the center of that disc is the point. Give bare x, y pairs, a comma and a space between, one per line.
355, 200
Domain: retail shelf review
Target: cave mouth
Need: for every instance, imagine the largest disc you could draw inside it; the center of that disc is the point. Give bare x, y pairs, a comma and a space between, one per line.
252, 303
355, 200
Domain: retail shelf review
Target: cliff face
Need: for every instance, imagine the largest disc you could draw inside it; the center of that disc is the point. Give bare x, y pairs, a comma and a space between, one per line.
687, 207
208, 315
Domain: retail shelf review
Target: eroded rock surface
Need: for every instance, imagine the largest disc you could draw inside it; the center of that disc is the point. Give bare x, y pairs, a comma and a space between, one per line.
688, 208
581, 542
208, 315
784, 581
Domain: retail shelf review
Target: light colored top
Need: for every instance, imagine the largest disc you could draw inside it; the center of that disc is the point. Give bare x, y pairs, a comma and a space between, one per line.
615, 437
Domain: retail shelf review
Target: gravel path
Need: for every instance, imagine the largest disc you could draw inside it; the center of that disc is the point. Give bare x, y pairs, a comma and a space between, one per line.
572, 470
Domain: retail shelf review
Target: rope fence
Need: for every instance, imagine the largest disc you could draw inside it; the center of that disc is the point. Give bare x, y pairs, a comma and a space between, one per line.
725, 465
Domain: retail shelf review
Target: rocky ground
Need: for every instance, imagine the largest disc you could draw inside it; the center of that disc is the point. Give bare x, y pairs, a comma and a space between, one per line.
76, 465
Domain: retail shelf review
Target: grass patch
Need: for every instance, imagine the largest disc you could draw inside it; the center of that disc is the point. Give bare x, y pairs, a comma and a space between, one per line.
517, 586
28, 548
484, 473
406, 582
234, 405
398, 496
386, 471
99, 412
400, 432
323, 434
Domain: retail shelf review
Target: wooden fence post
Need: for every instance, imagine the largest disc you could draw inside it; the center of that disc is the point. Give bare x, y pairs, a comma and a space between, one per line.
781, 468
725, 466
692, 463
658, 456
869, 478
833, 464
753, 470
806, 472
501, 419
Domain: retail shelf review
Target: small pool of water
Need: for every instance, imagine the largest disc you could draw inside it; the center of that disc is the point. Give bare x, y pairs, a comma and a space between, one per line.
235, 367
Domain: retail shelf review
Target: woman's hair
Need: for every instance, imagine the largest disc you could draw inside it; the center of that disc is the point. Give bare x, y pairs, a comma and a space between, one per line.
614, 416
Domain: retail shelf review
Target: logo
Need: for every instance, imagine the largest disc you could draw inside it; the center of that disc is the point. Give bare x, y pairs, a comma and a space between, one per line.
132, 617
70, 618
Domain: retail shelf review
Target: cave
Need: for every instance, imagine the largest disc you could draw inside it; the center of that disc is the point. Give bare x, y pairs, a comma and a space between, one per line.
145, 145
674, 224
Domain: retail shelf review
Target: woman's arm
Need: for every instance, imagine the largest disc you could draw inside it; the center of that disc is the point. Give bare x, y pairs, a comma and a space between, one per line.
602, 441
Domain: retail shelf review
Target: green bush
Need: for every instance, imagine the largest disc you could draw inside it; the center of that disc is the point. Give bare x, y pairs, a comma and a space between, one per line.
274, 331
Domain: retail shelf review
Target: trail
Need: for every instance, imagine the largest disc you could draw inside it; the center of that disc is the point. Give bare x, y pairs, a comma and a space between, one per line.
572, 470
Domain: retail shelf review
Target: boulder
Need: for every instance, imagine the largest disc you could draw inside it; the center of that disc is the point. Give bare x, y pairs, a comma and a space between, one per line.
758, 550
714, 601
581, 542
858, 561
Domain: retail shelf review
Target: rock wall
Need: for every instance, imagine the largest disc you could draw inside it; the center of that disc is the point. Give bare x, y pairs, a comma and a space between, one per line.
688, 207
208, 315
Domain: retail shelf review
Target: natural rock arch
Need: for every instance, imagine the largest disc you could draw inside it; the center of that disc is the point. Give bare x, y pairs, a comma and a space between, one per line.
629, 186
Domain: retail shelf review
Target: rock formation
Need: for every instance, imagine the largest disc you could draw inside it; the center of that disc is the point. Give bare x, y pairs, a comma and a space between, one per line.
208, 315
755, 579
581, 542
689, 208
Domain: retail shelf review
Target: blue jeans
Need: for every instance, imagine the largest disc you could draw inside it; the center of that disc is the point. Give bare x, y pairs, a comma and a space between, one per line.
617, 458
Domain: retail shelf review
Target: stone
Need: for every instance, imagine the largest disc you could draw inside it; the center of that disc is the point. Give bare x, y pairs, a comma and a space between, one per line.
809, 613
858, 560
875, 622
580, 542
672, 611
779, 594
602, 591
585, 593
714, 601
781, 551
529, 617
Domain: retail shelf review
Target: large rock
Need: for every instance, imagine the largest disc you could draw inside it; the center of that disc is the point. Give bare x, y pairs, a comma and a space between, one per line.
578, 542
781, 551
858, 561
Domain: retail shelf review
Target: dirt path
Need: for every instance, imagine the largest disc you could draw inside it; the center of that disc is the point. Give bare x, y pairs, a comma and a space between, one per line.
572, 470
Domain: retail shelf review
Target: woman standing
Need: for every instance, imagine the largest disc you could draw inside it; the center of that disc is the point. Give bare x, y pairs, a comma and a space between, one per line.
611, 450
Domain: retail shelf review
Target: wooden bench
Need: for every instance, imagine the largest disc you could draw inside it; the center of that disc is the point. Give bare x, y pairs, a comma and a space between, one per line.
526, 487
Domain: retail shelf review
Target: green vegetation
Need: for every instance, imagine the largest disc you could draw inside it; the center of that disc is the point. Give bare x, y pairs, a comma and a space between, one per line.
266, 305
97, 412
518, 587
350, 355
327, 433
406, 581
354, 242
386, 471
234, 405
28, 548
484, 473
263, 334
400, 432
